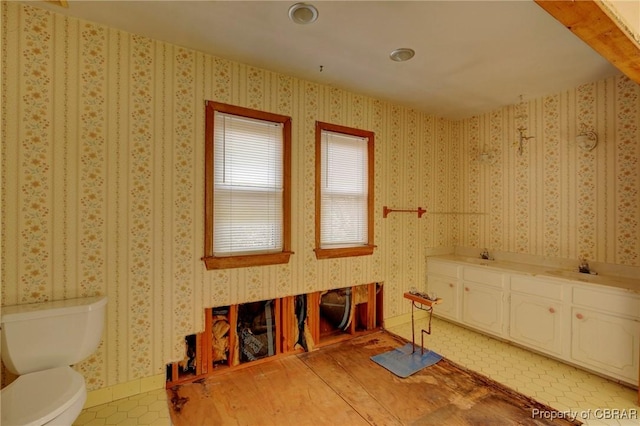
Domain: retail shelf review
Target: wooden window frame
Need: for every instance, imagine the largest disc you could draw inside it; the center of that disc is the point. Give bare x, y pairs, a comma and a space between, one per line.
349, 251
241, 261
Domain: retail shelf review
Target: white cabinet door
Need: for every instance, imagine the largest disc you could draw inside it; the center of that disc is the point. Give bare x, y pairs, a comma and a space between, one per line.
482, 307
536, 322
447, 290
606, 343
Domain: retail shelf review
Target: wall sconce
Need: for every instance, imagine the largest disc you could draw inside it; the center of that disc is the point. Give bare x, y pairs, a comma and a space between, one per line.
587, 140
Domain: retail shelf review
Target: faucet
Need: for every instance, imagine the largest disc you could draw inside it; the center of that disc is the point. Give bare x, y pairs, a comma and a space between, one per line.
584, 267
485, 255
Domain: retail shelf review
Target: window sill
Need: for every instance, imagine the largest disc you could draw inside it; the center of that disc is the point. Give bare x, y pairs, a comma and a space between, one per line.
344, 252
213, 262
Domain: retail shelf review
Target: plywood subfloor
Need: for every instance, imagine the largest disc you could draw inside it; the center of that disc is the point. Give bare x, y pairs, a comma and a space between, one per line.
340, 385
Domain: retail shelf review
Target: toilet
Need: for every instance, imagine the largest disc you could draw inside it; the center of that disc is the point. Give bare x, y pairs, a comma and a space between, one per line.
39, 343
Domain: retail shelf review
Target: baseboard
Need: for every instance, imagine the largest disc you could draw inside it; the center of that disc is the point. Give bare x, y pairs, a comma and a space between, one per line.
124, 390
404, 319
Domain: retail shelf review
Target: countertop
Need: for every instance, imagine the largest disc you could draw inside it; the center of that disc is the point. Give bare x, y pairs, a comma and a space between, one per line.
626, 283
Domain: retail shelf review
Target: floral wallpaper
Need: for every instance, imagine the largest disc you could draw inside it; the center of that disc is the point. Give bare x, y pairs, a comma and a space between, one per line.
557, 200
103, 180
103, 183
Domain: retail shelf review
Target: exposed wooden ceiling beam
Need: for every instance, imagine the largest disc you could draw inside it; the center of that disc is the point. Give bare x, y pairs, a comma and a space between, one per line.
590, 21
62, 3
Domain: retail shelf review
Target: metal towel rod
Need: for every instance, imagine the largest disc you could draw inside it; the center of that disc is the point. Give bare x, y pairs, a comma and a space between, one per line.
462, 213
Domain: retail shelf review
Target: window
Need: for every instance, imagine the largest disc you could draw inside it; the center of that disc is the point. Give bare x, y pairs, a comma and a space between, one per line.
247, 187
344, 191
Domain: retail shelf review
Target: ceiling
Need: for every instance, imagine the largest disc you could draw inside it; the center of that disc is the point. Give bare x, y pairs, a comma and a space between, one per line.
471, 56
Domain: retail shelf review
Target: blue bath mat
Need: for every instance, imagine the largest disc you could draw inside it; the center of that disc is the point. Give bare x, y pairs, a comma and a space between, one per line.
403, 363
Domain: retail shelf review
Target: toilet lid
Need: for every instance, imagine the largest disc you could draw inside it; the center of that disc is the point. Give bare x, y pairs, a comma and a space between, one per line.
38, 397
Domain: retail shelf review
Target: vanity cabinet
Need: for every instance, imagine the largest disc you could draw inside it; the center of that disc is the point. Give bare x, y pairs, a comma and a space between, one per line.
537, 314
593, 326
605, 331
442, 280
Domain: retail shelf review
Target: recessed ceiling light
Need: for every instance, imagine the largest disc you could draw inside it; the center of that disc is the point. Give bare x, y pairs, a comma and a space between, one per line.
402, 54
302, 13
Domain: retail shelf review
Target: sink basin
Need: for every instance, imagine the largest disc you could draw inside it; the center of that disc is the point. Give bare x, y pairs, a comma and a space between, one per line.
573, 275
478, 261
589, 278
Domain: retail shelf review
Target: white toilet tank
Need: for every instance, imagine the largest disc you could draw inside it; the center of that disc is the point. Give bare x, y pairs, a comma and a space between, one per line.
39, 336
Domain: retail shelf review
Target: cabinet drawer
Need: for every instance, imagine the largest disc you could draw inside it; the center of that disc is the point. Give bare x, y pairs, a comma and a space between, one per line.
536, 287
618, 302
481, 275
442, 268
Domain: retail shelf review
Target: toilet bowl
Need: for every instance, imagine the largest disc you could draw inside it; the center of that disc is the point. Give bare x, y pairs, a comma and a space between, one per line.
39, 343
49, 397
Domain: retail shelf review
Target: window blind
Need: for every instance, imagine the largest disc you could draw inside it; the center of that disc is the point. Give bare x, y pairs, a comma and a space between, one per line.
248, 186
344, 190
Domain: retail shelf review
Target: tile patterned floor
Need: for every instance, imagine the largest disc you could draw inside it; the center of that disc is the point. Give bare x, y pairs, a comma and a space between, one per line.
148, 408
565, 388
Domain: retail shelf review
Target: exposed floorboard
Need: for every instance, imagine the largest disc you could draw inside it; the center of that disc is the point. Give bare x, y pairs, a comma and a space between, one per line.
339, 384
